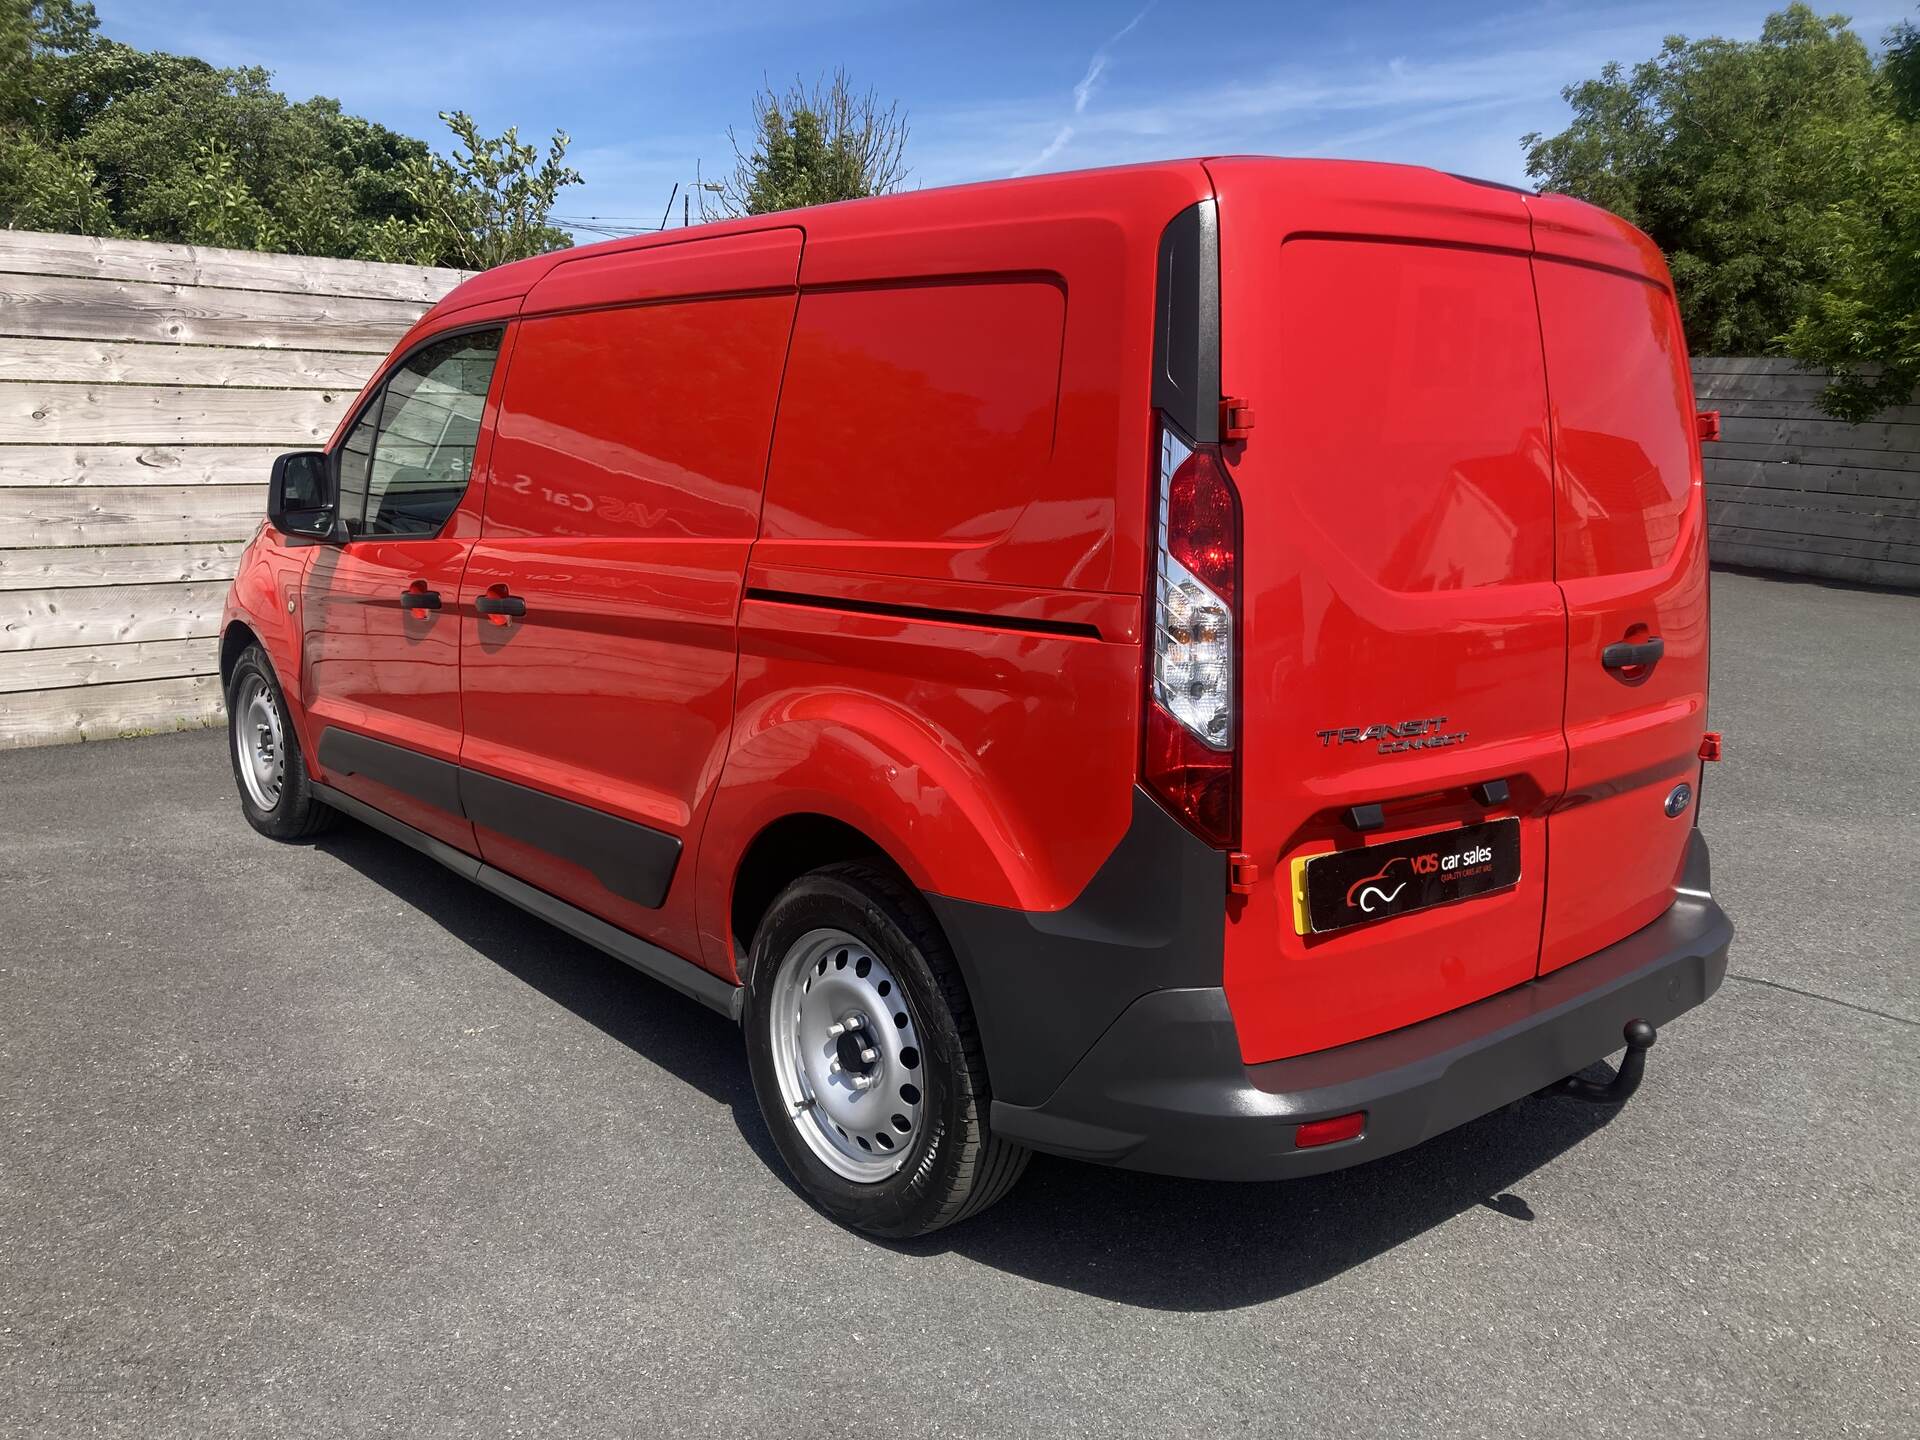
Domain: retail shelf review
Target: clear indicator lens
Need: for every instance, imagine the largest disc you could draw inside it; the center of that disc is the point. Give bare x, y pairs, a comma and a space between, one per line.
1193, 621
1193, 655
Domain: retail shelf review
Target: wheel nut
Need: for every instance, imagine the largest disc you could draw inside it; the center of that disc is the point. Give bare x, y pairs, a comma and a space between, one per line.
836, 1029
863, 1082
853, 1020
833, 1067
869, 1055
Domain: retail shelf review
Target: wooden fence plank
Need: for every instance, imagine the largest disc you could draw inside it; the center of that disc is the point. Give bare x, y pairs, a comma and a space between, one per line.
1818, 503
65, 566
136, 464
37, 253
56, 307
1757, 387
1814, 479
1783, 408
34, 414
1800, 520
36, 516
107, 664
1745, 365
1811, 455
105, 712
1908, 554
1831, 434
107, 362
109, 615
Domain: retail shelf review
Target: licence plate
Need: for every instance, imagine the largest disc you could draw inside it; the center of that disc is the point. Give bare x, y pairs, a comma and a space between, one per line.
1377, 882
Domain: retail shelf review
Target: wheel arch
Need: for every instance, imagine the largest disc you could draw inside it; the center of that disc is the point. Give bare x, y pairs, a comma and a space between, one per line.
783, 850
234, 641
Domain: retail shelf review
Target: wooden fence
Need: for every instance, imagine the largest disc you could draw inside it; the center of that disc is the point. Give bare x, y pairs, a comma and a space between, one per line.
144, 391
1790, 489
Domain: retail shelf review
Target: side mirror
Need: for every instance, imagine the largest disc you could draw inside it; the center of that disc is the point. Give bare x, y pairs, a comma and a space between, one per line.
303, 497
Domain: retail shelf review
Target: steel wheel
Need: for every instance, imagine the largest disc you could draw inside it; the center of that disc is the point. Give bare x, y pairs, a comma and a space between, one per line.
259, 746
846, 1055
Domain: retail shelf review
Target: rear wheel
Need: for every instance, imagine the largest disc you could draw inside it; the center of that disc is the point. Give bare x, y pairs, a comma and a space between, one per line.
865, 1057
276, 795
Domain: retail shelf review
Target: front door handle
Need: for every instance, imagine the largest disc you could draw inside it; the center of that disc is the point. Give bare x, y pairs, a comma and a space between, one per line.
419, 599
1628, 656
498, 607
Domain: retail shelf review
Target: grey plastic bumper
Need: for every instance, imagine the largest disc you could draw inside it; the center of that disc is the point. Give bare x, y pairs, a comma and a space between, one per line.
1164, 1088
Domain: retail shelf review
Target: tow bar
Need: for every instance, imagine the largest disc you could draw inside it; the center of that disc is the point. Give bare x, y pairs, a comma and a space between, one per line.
1639, 1036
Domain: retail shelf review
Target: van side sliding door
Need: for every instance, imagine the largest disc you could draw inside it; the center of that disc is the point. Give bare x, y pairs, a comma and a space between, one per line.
597, 664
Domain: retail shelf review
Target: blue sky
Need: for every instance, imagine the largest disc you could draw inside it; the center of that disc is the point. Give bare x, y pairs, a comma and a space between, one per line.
992, 90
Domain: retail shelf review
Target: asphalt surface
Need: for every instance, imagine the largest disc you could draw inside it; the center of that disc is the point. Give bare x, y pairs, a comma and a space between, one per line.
322, 1140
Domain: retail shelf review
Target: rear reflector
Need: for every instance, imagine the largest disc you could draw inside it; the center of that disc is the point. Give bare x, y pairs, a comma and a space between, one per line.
1329, 1132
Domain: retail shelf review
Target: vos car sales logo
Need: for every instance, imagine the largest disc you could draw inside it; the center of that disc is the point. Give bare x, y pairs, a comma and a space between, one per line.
1373, 893
1394, 739
1357, 886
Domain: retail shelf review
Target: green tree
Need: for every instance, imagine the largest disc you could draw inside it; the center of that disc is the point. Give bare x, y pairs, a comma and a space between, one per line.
490, 201
44, 182
1723, 152
99, 138
816, 145
1862, 325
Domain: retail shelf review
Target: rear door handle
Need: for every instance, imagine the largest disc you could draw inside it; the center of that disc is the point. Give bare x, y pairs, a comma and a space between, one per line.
499, 605
1628, 656
417, 597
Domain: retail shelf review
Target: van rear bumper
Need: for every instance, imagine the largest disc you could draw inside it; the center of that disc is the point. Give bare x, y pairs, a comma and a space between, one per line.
1164, 1088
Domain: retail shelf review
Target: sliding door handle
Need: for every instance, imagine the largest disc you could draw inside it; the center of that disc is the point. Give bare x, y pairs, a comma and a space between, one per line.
498, 607
419, 599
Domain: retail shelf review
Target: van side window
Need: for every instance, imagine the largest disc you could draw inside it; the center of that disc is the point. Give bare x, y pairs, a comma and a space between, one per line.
429, 424
356, 458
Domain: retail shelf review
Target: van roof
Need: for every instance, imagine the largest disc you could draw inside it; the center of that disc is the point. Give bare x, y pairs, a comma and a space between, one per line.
1116, 190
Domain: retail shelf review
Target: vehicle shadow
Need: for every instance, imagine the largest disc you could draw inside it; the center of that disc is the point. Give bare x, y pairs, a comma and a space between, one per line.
680, 1035
1142, 1240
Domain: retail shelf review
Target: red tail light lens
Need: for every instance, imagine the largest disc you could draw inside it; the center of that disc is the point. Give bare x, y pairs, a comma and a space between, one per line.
1192, 729
1330, 1131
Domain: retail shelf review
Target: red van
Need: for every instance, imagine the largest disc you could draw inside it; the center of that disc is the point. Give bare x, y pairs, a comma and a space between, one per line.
1200, 667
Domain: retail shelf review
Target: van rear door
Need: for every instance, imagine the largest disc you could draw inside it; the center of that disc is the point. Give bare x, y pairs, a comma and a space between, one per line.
1630, 528
1403, 640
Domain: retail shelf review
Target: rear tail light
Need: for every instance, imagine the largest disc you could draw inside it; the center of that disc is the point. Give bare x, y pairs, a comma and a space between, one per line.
1192, 681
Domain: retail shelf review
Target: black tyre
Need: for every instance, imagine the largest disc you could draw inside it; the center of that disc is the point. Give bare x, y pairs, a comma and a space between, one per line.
865, 1057
275, 793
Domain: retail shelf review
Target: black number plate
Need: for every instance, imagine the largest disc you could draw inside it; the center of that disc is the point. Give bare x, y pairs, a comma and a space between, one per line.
1377, 882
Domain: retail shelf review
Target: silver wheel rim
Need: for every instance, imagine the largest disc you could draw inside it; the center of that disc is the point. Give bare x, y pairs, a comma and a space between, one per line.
847, 1054
258, 745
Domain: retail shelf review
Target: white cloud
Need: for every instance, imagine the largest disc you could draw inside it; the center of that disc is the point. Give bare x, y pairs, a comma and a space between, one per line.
1083, 92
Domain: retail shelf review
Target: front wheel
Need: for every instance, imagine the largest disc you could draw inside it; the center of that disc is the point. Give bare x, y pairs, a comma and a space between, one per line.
275, 794
866, 1060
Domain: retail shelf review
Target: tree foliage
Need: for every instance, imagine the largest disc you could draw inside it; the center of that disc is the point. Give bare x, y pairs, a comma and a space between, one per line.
814, 145
1778, 175
1862, 324
99, 138
489, 203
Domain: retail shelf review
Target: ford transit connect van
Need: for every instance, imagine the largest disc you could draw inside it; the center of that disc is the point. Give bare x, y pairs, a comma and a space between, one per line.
1199, 667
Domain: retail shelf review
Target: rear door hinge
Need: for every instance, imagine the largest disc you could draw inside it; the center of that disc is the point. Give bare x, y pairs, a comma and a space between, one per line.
1242, 873
1236, 419
1706, 424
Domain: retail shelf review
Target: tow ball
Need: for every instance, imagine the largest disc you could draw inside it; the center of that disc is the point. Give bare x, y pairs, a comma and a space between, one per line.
1639, 1036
